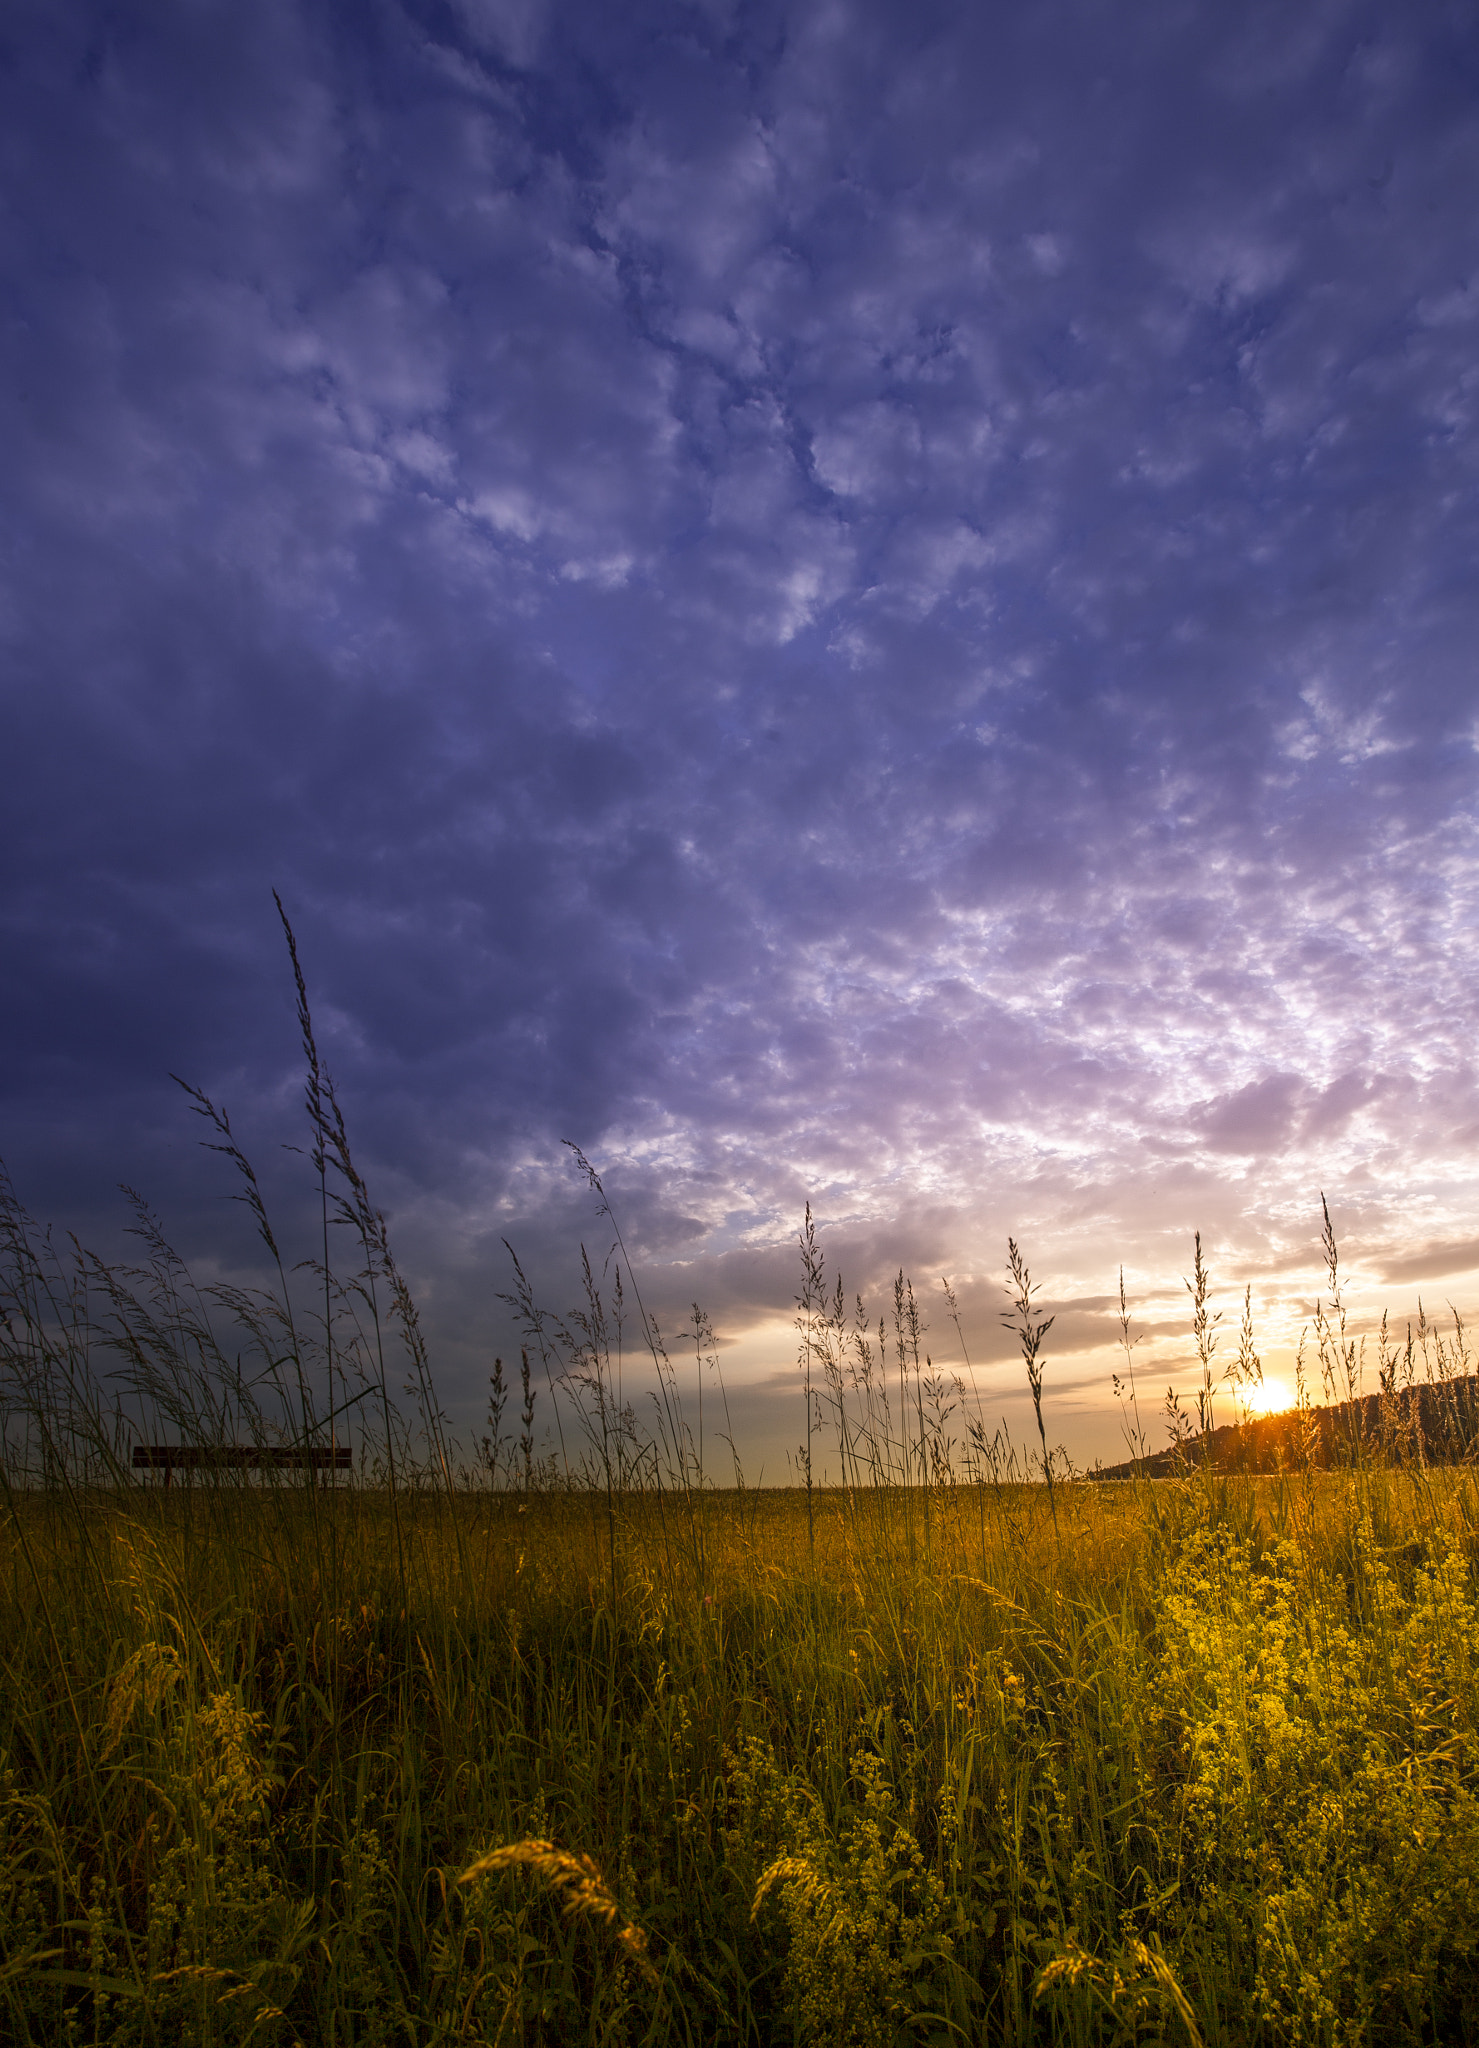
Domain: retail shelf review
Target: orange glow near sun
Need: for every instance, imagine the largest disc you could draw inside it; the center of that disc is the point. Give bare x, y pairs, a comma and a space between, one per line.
1269, 1399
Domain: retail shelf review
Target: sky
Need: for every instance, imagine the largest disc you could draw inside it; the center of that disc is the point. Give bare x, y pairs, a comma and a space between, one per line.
860, 603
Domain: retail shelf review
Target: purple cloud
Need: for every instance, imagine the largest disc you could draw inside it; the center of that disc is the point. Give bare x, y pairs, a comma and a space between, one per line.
865, 603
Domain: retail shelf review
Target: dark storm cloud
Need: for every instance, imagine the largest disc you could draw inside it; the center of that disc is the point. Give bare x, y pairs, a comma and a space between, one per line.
860, 602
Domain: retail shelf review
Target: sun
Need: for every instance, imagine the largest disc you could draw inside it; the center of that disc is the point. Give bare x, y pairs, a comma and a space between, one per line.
1271, 1398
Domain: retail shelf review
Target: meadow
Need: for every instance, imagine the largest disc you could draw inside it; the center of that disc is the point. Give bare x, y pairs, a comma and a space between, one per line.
1198, 1764
488, 1743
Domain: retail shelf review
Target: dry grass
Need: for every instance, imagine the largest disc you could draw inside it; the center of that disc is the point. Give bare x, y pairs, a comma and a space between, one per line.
1201, 1759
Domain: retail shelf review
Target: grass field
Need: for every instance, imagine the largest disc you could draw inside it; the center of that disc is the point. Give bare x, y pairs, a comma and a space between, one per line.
1198, 1763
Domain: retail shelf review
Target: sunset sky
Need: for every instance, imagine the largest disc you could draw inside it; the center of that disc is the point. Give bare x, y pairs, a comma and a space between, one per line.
853, 602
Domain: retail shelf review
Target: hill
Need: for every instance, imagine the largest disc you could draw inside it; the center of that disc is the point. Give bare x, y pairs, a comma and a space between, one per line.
1434, 1422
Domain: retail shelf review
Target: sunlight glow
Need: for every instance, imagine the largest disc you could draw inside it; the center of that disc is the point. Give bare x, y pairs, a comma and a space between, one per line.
1269, 1399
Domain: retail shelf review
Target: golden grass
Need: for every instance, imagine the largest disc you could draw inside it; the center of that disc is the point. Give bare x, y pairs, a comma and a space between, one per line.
1200, 1763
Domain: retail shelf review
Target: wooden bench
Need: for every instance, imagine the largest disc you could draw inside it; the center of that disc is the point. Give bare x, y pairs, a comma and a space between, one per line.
172, 1458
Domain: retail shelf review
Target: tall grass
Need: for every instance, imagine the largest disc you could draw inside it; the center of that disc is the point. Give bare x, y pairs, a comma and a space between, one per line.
525, 1748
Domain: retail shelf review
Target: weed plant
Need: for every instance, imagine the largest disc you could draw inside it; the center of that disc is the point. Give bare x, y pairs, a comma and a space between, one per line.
509, 1747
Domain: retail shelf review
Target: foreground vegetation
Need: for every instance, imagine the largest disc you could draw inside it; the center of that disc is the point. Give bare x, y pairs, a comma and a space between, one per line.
498, 1745
1199, 1764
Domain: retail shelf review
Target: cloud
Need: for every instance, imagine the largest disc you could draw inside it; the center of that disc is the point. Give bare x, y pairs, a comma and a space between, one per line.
866, 606
1282, 1112
1433, 1261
